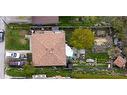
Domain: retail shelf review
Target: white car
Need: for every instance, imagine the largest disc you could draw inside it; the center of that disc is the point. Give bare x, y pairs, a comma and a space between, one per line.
90, 60
13, 55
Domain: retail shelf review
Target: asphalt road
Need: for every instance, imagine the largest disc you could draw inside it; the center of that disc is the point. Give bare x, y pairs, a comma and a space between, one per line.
2, 51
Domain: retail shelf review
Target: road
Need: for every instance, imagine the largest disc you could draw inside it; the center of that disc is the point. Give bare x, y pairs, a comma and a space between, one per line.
2, 51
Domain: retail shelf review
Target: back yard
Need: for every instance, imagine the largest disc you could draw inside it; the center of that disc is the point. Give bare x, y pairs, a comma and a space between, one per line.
101, 57
15, 37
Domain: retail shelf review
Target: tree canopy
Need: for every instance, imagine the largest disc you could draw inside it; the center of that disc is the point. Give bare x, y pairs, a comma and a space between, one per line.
86, 21
82, 39
28, 70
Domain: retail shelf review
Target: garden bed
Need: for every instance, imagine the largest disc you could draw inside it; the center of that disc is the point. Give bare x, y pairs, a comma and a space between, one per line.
101, 57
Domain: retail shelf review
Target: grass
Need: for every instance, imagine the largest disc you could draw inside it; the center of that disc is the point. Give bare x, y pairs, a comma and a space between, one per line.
68, 35
22, 26
90, 76
15, 72
15, 37
101, 57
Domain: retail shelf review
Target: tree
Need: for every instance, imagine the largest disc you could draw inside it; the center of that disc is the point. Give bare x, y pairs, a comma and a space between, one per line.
86, 21
82, 39
119, 23
28, 70
114, 52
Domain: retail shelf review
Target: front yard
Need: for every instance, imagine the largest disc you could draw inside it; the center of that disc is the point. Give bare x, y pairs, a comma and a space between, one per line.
79, 71
15, 37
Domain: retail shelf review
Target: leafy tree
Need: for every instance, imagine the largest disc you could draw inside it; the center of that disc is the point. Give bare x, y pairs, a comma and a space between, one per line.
28, 70
114, 52
91, 20
120, 24
117, 22
82, 39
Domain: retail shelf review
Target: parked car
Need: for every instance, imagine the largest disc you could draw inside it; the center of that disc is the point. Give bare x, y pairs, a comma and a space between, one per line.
13, 55
17, 63
1, 35
23, 56
90, 60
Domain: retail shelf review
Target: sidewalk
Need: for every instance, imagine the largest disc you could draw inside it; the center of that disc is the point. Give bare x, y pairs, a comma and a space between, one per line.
7, 77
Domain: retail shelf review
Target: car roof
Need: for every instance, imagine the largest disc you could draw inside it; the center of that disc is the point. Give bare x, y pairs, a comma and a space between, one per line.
1, 30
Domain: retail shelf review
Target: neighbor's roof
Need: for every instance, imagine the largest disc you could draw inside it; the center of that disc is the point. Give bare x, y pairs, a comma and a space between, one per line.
45, 19
120, 62
48, 49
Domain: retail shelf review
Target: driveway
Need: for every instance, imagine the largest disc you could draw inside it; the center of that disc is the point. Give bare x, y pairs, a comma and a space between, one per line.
2, 50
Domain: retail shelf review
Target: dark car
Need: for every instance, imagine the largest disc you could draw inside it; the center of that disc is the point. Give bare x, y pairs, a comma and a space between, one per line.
23, 56
1, 35
17, 63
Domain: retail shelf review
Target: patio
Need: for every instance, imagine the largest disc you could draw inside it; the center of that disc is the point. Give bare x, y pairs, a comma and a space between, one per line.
102, 44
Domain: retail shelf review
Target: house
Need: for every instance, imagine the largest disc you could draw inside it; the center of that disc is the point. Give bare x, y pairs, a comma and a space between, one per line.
120, 62
35, 20
45, 20
48, 48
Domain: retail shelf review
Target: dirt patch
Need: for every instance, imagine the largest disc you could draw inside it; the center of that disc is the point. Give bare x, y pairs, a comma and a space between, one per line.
101, 41
23, 41
22, 33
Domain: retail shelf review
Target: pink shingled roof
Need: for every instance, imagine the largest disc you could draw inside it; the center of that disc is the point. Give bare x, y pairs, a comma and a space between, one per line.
45, 19
48, 49
120, 62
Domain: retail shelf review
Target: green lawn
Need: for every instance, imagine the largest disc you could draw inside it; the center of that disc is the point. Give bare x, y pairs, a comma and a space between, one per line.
15, 37
101, 57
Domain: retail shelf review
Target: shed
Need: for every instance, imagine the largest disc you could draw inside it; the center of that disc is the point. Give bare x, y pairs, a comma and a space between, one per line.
120, 62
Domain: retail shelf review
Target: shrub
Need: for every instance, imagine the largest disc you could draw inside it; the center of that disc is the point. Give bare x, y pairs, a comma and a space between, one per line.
29, 57
28, 70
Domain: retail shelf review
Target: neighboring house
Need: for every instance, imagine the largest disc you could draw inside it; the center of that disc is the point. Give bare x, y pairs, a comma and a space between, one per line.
48, 48
45, 20
36, 20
